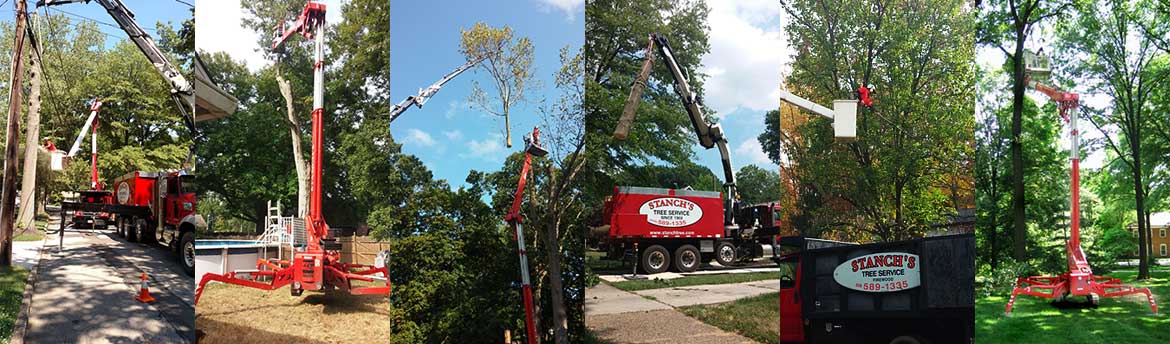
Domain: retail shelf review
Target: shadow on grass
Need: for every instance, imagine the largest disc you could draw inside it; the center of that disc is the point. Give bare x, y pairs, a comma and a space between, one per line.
1117, 320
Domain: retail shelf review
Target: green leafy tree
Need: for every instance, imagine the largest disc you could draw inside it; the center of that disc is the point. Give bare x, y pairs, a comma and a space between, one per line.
508, 62
757, 185
896, 180
1103, 48
1007, 25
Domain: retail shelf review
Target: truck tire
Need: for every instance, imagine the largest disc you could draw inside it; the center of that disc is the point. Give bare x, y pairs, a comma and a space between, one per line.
187, 252
655, 259
131, 230
144, 234
687, 258
725, 254
906, 340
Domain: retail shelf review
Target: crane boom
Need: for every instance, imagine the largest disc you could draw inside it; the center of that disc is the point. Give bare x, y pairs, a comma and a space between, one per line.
843, 114
93, 112
182, 90
425, 94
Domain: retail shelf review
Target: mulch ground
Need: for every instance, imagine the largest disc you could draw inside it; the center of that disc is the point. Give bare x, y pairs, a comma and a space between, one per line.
234, 314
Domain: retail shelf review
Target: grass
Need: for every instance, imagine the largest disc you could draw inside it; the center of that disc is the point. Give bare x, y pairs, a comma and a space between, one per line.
755, 317
694, 280
30, 235
1117, 320
12, 282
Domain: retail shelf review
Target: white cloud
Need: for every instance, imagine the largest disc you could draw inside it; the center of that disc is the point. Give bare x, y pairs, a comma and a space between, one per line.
419, 137
570, 7
753, 152
220, 29
453, 135
747, 53
491, 148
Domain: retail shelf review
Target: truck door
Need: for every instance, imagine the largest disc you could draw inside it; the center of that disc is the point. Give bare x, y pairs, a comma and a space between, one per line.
791, 321
172, 201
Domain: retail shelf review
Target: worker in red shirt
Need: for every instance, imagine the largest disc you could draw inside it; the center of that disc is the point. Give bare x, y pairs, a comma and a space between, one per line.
863, 94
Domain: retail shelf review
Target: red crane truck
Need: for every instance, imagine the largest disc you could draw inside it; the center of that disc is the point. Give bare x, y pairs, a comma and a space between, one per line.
903, 292
159, 207
679, 229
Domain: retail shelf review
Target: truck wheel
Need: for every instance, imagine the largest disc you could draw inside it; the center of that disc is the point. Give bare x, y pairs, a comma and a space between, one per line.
655, 259
686, 258
131, 230
143, 231
187, 244
725, 254
906, 340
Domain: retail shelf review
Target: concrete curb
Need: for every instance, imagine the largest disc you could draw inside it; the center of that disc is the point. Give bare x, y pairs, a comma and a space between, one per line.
21, 325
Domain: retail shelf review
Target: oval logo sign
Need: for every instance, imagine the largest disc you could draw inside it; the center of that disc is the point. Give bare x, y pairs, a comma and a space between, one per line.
879, 272
671, 212
123, 192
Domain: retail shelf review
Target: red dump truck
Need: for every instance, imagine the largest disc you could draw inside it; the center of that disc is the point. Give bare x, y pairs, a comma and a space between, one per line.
669, 229
159, 207
92, 219
904, 292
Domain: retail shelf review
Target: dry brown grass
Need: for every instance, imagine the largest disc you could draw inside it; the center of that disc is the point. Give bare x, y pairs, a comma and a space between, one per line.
234, 314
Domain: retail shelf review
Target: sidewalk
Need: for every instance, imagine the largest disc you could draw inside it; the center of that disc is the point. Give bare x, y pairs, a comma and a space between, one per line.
648, 316
85, 293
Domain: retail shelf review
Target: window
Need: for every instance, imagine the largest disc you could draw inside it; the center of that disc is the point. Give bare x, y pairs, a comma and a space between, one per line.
1163, 250
1162, 232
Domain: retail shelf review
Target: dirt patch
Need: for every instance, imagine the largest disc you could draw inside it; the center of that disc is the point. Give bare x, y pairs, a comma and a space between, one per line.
234, 314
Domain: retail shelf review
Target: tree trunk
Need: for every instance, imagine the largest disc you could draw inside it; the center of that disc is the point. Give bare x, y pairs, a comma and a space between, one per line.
994, 184
294, 131
552, 250
1019, 219
27, 215
1139, 198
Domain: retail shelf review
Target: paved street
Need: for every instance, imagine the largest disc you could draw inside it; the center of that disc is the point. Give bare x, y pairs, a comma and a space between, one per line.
85, 291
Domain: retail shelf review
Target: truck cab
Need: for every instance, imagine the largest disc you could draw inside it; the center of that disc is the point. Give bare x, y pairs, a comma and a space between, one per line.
791, 326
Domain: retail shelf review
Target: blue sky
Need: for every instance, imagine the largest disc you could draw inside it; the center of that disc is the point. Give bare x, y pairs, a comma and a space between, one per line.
744, 69
450, 136
146, 12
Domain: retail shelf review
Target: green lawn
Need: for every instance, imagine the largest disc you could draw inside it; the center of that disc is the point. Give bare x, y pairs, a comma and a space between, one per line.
31, 235
1117, 320
11, 294
694, 280
754, 317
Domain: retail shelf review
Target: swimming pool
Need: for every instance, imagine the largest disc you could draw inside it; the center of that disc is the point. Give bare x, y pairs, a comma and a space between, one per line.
221, 256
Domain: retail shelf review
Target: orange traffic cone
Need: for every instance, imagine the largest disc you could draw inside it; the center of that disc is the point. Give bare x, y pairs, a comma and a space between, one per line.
144, 292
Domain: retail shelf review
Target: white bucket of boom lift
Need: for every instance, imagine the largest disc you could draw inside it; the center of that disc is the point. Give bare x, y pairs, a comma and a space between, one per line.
845, 119
57, 161
1038, 66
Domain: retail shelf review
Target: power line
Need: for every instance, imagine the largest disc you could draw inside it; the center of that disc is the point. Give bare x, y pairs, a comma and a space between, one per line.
178, 1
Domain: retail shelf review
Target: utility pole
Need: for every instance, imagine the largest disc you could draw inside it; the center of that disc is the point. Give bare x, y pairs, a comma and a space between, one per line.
32, 137
8, 194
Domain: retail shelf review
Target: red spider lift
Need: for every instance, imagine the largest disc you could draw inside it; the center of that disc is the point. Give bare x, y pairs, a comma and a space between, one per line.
317, 265
531, 147
1079, 280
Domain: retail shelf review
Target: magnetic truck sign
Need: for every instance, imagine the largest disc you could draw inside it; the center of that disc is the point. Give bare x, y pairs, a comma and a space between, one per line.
671, 212
879, 272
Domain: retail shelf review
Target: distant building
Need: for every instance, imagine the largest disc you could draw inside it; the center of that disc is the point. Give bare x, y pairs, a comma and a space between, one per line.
962, 222
1160, 240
